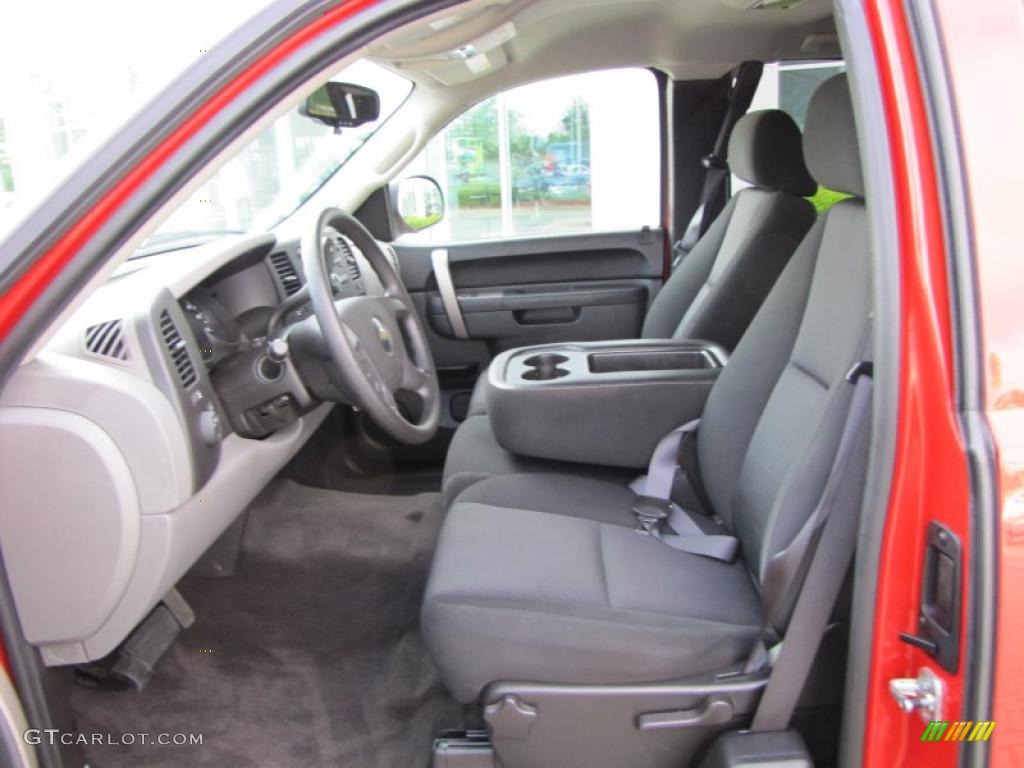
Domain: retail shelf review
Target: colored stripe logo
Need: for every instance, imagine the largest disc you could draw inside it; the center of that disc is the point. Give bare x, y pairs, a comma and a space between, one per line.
968, 730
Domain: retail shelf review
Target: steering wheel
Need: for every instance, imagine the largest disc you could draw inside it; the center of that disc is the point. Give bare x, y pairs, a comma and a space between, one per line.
377, 342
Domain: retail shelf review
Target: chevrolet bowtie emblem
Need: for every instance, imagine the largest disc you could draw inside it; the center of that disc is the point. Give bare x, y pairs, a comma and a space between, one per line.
383, 334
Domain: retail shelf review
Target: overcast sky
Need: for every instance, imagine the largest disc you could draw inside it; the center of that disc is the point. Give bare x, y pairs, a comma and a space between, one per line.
79, 38
101, 59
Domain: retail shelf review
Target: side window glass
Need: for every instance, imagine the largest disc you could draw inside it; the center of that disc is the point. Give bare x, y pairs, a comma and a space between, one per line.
570, 155
789, 87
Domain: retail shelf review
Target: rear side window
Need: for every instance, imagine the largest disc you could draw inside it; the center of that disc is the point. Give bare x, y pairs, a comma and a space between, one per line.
569, 155
789, 87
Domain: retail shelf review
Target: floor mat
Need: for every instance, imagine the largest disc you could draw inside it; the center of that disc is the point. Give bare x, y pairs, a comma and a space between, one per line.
402, 482
310, 655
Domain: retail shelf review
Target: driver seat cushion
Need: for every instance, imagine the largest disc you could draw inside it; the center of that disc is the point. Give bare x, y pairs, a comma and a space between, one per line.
564, 589
474, 454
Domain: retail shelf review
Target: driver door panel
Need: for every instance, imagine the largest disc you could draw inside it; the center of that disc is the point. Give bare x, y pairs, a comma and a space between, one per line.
517, 292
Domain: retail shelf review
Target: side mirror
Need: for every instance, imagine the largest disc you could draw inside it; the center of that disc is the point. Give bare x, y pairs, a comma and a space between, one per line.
342, 105
418, 201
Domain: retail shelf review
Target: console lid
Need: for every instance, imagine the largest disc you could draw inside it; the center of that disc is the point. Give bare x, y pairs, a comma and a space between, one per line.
606, 402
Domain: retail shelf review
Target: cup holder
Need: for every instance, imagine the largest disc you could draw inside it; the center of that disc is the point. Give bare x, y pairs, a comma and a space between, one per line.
545, 374
545, 367
545, 360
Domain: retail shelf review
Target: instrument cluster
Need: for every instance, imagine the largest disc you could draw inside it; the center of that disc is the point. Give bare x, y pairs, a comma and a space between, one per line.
342, 266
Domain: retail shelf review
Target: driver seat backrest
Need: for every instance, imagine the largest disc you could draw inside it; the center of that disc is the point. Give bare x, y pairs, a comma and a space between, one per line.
718, 287
772, 423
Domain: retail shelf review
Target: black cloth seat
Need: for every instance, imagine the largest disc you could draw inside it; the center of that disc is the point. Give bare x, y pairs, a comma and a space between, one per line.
542, 577
563, 589
475, 455
715, 292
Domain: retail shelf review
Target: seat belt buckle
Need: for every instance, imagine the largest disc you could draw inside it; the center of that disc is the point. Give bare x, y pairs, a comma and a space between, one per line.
679, 253
714, 161
651, 513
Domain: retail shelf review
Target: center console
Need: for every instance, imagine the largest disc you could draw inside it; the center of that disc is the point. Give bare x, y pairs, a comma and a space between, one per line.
606, 402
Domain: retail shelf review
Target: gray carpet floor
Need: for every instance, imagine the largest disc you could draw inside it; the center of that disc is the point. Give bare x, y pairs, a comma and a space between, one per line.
310, 655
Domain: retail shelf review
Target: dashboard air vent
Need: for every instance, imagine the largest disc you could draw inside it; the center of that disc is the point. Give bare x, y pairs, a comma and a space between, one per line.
350, 260
178, 350
107, 340
286, 273
392, 255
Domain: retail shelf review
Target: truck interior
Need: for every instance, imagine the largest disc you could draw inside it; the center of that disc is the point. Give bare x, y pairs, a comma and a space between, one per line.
361, 488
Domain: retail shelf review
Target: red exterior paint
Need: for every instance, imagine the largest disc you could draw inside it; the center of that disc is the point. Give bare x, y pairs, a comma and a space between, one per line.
930, 479
23, 294
986, 56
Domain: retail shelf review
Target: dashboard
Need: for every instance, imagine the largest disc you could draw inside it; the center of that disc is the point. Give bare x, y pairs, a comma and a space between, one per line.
168, 410
218, 335
226, 315
237, 313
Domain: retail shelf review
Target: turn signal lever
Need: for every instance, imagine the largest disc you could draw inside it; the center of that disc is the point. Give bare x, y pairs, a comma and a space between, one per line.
294, 301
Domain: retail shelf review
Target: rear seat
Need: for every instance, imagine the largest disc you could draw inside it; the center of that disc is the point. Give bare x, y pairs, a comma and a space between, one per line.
543, 578
715, 291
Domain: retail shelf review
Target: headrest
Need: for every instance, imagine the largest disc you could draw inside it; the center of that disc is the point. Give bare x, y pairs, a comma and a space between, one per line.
830, 138
765, 150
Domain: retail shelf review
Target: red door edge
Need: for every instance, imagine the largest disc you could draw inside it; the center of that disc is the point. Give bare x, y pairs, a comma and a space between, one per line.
22, 294
930, 474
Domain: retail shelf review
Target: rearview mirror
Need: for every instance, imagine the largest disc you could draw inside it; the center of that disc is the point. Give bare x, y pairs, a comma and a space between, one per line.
419, 202
342, 105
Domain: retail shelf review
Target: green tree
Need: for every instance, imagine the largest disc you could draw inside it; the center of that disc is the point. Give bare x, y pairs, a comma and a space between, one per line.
473, 137
824, 198
576, 123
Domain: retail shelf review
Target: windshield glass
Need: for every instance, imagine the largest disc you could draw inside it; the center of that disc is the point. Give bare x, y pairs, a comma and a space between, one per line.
278, 171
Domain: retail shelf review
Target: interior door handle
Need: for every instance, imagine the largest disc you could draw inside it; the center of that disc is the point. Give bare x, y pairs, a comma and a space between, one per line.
554, 316
713, 711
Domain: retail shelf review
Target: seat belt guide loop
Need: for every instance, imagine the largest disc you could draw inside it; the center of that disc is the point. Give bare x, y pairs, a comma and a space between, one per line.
861, 368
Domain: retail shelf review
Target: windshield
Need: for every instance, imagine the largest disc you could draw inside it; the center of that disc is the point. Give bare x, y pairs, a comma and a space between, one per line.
278, 171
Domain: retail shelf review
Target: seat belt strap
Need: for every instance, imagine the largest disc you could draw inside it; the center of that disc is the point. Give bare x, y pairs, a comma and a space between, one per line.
714, 176
829, 563
663, 520
689, 537
664, 464
747, 75
656, 511
675, 458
